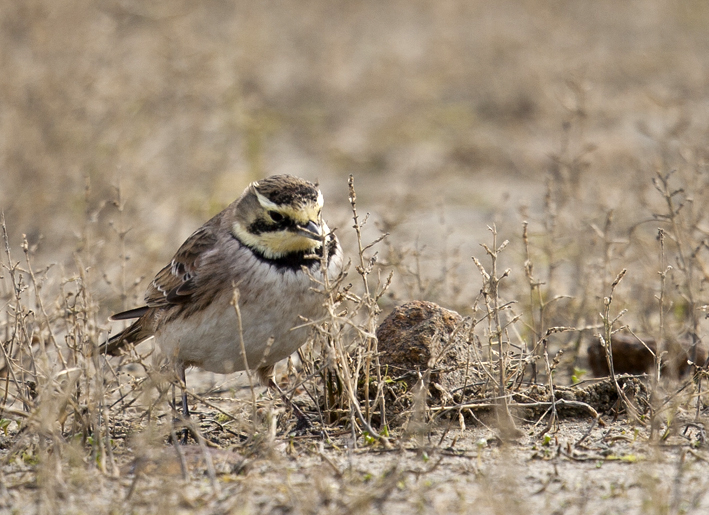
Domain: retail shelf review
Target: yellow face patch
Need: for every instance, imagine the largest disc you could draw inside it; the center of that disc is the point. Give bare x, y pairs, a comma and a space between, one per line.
275, 244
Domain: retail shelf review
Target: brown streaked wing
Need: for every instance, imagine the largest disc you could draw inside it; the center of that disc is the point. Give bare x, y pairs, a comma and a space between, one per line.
175, 283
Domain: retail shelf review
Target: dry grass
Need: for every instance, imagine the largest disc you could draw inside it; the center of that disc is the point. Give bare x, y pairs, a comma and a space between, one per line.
560, 144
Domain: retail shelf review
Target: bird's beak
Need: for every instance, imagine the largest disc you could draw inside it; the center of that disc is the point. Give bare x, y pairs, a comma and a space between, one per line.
311, 230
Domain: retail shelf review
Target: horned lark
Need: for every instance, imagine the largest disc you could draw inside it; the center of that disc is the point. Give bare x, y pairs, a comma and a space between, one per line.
259, 245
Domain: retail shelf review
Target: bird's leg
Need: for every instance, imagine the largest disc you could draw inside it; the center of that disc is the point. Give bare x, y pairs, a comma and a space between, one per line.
303, 420
183, 385
180, 368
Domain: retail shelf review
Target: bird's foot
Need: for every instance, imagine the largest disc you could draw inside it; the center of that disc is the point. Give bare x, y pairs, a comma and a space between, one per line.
304, 424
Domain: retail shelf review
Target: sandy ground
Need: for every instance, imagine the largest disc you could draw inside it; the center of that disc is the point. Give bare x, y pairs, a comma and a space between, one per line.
580, 469
124, 125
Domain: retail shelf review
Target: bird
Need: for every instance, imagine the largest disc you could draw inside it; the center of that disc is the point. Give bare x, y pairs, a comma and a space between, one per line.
265, 245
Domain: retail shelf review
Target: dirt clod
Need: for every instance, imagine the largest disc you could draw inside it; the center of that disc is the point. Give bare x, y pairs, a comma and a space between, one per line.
421, 336
631, 356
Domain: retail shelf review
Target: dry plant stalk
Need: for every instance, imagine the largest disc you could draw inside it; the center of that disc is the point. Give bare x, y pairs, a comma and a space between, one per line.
496, 330
347, 338
607, 344
535, 297
684, 230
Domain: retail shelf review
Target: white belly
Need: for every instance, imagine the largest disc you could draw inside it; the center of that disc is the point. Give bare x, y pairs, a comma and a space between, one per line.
270, 305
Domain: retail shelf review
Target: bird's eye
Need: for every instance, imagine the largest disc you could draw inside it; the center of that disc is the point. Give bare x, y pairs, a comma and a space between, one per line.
275, 216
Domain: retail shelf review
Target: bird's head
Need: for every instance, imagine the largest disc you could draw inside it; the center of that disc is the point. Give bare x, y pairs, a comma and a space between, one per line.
280, 215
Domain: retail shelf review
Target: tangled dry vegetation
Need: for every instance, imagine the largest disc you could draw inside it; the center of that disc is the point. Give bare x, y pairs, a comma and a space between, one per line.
85, 433
561, 144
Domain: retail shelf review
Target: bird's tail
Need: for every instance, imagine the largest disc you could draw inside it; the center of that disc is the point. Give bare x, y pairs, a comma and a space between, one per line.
135, 333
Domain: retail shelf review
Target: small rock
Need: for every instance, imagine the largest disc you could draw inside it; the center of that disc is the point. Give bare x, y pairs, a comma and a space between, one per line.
420, 336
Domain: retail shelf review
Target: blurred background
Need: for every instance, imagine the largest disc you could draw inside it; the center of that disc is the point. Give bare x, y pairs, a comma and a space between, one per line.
124, 124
